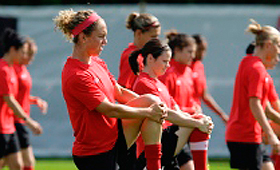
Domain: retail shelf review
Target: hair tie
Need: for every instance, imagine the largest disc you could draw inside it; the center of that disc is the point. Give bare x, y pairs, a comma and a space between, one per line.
152, 25
90, 20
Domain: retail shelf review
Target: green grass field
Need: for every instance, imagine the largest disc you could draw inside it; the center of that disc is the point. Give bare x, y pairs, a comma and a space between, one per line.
67, 164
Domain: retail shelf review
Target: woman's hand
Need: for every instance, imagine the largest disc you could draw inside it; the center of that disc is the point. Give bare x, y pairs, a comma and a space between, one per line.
158, 112
34, 126
43, 105
207, 124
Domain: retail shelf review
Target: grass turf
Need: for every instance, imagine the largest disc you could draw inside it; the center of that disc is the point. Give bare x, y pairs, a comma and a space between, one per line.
67, 164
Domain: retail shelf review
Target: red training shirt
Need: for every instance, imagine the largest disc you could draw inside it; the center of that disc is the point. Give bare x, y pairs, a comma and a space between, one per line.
252, 80
8, 86
145, 84
272, 94
24, 86
199, 80
179, 81
84, 87
126, 75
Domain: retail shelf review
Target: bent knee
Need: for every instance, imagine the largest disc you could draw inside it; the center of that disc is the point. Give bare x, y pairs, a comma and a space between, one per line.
145, 100
29, 162
151, 99
16, 165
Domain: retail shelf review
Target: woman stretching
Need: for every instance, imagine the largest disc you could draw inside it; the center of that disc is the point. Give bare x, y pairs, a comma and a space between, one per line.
179, 124
90, 92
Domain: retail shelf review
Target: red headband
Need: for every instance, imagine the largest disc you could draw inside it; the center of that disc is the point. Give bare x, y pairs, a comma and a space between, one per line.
90, 20
154, 24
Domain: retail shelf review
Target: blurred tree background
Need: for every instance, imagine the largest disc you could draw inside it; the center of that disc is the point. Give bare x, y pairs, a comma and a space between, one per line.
59, 2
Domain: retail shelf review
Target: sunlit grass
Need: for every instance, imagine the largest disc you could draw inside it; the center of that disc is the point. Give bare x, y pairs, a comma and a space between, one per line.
67, 164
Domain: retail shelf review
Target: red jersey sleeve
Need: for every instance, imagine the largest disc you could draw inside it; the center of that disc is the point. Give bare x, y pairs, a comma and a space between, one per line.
272, 94
256, 80
84, 87
4, 85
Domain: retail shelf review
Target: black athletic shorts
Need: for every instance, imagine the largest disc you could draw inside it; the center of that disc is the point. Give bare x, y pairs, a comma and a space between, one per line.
245, 155
23, 135
8, 144
169, 143
107, 160
185, 155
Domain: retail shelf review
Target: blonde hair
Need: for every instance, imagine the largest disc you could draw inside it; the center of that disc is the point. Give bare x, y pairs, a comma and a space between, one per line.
141, 21
32, 47
263, 33
67, 20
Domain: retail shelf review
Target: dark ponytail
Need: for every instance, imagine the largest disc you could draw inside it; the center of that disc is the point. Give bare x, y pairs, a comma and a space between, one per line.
133, 61
11, 39
154, 47
198, 38
178, 40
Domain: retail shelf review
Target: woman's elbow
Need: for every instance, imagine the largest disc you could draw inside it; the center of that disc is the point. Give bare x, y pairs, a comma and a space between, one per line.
111, 113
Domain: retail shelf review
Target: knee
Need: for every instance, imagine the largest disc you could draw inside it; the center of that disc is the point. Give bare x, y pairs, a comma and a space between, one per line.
16, 165
28, 157
29, 162
1, 163
145, 100
198, 136
151, 99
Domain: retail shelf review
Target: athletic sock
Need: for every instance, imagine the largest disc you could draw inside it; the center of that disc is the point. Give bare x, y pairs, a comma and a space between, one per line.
28, 168
273, 157
153, 156
200, 159
277, 162
199, 149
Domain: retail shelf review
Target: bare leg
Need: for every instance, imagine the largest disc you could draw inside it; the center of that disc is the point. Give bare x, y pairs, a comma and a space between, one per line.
151, 131
183, 136
14, 161
268, 166
188, 166
28, 157
2, 163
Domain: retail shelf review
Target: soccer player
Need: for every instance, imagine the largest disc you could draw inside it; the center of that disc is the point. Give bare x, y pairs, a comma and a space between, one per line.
15, 48
25, 99
201, 91
179, 82
267, 163
247, 118
90, 91
145, 27
179, 124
